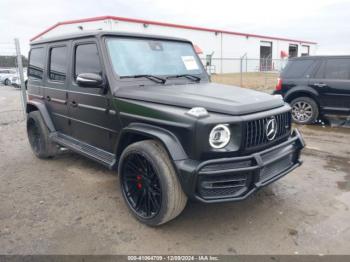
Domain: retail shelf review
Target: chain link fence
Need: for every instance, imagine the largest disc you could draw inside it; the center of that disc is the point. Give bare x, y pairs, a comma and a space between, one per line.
11, 98
260, 74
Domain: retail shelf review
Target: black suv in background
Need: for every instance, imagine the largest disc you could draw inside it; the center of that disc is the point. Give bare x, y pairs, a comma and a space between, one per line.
144, 105
316, 85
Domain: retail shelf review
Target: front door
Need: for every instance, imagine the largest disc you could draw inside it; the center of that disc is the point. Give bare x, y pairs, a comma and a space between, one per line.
90, 117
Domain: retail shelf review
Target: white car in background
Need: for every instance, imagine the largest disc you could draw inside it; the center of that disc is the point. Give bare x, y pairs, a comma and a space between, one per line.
16, 81
6, 76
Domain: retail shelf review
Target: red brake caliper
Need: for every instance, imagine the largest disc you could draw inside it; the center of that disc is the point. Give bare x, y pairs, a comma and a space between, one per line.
139, 184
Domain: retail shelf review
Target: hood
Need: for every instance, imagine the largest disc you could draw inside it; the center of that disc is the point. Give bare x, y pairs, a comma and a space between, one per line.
214, 97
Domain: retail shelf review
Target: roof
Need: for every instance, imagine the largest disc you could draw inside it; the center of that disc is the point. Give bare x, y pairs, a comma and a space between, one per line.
133, 20
98, 33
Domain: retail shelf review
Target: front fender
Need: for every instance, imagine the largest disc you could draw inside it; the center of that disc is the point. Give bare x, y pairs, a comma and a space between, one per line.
43, 111
168, 139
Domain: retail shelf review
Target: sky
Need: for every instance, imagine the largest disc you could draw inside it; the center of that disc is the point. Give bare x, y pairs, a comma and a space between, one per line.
326, 22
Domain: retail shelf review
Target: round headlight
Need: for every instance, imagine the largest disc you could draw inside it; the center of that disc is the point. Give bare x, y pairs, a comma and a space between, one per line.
219, 136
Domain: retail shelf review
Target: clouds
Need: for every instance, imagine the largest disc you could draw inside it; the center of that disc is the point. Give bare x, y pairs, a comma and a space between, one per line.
324, 21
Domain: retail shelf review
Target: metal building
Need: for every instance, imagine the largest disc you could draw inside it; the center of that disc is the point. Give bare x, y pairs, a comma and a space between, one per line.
223, 51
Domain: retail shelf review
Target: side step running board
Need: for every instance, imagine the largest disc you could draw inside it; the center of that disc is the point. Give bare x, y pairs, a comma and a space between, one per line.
85, 149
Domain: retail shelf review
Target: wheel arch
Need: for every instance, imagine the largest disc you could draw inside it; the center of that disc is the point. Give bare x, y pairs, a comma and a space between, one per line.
136, 132
308, 92
37, 106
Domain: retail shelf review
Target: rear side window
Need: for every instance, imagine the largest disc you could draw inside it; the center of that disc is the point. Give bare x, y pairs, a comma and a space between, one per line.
298, 68
36, 63
58, 63
337, 68
87, 59
320, 71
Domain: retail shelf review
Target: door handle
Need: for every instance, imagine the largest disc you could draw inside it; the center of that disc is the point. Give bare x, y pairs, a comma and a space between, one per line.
320, 84
74, 104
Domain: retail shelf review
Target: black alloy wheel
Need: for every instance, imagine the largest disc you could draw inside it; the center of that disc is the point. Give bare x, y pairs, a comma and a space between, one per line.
141, 186
34, 135
38, 136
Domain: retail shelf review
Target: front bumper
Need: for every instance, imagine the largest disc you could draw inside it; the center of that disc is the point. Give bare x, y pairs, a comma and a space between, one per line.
233, 179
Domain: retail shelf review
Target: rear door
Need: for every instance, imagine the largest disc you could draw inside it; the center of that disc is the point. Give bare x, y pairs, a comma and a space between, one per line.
333, 84
37, 59
55, 91
297, 73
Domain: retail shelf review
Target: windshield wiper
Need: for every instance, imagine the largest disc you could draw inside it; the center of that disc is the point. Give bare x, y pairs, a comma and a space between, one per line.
188, 76
153, 78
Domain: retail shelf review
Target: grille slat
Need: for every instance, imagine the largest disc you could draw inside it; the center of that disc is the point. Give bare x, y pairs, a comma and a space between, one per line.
223, 186
279, 124
261, 131
255, 130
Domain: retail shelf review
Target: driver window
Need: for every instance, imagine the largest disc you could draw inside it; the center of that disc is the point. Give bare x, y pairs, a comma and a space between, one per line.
87, 60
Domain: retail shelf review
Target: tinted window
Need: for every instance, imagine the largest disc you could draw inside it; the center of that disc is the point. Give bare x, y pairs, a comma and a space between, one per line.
320, 71
298, 68
58, 63
338, 69
36, 63
87, 60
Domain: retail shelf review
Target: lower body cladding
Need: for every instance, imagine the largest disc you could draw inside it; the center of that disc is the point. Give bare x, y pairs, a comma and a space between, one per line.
233, 179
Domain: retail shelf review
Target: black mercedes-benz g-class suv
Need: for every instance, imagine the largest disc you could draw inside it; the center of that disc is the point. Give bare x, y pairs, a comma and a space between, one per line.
144, 105
316, 85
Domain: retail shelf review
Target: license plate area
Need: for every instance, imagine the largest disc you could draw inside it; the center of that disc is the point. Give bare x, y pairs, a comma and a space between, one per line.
275, 168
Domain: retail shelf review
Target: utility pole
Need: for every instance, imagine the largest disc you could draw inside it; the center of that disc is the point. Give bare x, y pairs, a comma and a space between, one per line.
21, 76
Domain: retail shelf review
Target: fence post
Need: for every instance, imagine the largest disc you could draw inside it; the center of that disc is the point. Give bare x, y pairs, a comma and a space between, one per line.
241, 71
21, 76
241, 67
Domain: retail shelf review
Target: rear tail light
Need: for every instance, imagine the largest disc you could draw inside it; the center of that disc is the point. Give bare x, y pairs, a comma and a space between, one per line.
279, 84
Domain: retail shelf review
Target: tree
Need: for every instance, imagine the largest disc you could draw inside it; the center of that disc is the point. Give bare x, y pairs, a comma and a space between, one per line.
11, 61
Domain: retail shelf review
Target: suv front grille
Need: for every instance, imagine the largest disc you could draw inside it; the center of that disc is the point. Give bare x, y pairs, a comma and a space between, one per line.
255, 133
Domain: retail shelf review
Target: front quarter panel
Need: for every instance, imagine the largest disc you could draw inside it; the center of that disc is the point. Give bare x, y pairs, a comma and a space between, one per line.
163, 118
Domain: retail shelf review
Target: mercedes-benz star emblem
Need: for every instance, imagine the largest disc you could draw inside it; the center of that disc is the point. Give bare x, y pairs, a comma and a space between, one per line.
271, 129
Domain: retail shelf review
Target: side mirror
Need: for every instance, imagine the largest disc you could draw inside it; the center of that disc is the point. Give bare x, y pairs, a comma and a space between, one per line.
89, 80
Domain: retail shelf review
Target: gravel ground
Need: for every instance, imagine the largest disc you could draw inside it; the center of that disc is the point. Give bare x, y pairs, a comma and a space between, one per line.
71, 205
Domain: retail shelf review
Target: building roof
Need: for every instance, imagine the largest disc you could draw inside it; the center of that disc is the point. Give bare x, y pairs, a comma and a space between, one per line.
98, 33
141, 21
319, 57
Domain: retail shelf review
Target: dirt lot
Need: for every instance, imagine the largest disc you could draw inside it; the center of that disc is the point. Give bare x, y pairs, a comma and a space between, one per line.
70, 205
263, 81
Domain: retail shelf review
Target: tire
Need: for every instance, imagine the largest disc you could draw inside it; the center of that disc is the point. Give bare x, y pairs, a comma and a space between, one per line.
7, 82
145, 169
38, 136
304, 110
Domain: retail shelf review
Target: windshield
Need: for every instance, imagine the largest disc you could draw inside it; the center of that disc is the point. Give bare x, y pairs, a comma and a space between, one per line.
132, 57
